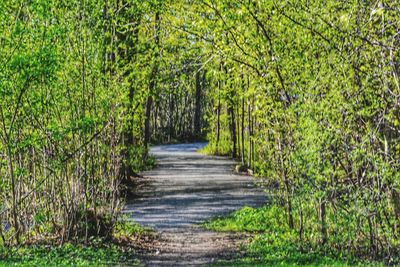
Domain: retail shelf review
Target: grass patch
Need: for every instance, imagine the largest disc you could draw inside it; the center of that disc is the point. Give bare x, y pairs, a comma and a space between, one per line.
68, 255
250, 220
129, 229
274, 244
223, 149
100, 252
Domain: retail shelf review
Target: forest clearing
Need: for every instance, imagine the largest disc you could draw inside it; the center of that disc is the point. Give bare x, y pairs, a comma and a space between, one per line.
199, 132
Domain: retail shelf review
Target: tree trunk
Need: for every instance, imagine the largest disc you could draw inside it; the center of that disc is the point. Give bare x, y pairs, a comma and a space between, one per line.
218, 117
242, 132
152, 84
322, 222
197, 110
232, 128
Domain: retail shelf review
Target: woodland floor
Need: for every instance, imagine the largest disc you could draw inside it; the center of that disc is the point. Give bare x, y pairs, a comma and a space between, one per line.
185, 190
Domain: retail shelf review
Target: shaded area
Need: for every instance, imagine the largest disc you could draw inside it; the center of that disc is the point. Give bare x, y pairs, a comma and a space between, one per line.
184, 190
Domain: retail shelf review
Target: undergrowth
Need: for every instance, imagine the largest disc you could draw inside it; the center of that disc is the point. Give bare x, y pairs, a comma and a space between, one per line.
222, 148
98, 252
68, 255
274, 244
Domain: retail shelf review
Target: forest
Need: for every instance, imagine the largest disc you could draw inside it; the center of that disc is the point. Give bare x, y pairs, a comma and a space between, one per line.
304, 95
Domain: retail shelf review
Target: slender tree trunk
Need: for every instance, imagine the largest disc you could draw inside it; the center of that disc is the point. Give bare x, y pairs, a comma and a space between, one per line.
289, 202
238, 135
197, 110
149, 105
128, 52
171, 118
242, 129
14, 193
253, 159
152, 84
250, 135
301, 226
7, 143
287, 185
232, 129
322, 221
218, 117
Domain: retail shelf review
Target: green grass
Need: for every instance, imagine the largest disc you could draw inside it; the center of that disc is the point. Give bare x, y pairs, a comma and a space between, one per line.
125, 228
98, 253
274, 244
223, 149
68, 255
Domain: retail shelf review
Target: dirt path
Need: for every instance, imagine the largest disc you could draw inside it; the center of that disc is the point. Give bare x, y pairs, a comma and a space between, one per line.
186, 189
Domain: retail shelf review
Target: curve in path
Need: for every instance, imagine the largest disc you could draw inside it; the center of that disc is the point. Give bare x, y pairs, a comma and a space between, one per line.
184, 190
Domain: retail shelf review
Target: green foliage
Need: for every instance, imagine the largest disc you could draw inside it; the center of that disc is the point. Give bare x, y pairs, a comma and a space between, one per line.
128, 229
98, 253
251, 220
67, 255
139, 159
273, 243
72, 92
223, 148
306, 95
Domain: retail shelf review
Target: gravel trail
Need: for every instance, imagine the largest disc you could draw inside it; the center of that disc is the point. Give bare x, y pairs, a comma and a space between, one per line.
186, 189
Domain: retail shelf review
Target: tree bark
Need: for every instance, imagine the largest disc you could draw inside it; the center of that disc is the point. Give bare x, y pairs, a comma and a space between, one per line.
152, 84
322, 222
197, 110
232, 128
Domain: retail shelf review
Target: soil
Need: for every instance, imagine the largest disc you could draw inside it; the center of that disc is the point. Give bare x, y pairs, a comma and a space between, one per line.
185, 190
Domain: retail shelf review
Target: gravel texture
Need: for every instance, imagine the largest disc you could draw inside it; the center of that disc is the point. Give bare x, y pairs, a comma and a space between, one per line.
186, 189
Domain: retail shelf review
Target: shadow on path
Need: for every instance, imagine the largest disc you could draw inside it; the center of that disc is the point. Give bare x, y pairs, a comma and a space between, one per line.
184, 190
